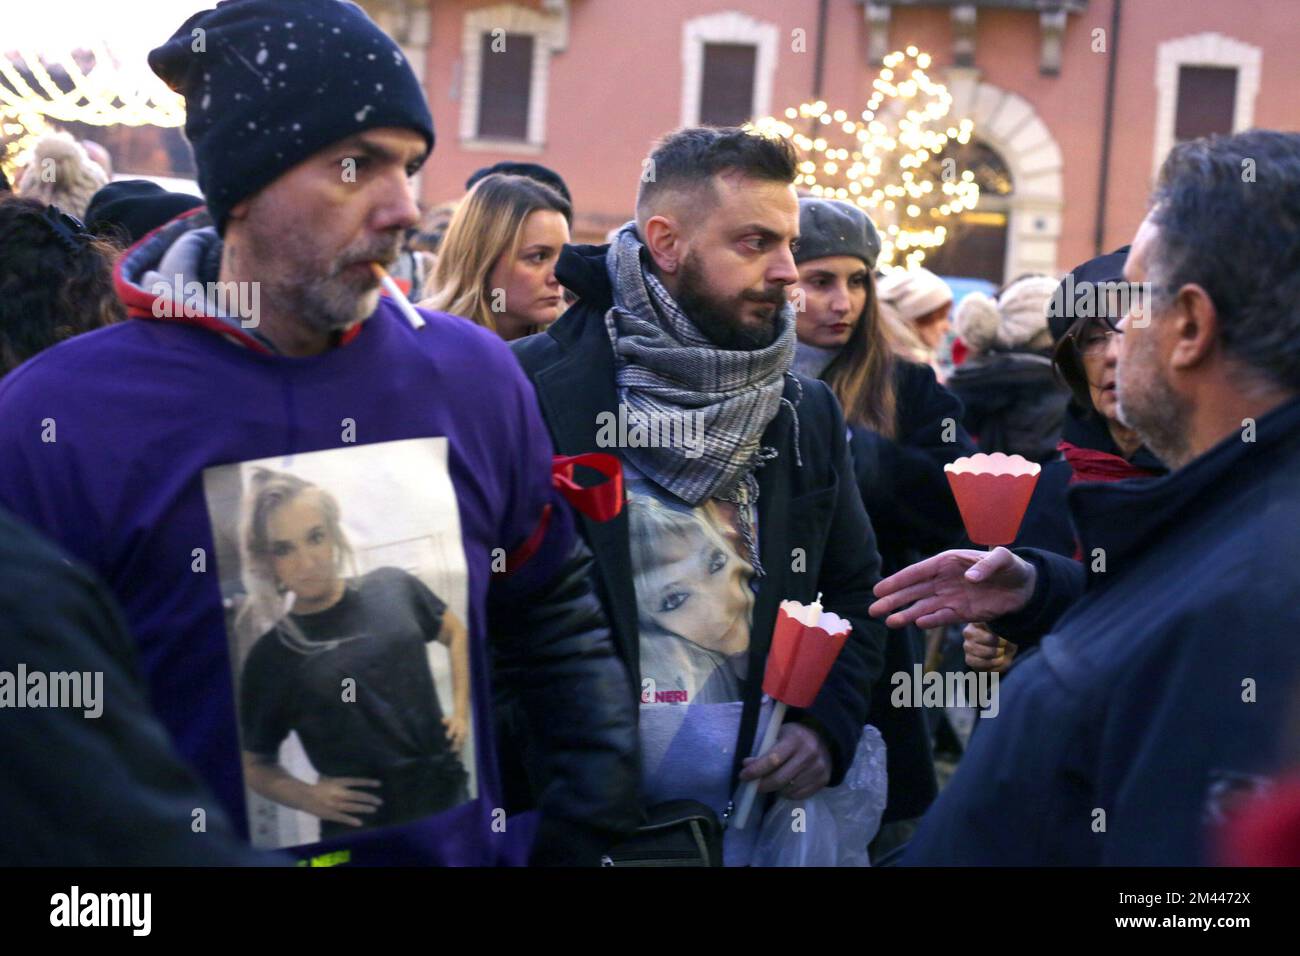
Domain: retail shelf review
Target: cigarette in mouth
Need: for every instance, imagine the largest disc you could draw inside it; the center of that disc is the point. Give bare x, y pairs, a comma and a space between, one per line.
395, 292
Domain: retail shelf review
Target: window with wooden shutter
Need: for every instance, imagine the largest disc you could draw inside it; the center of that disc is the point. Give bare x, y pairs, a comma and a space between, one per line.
1207, 101
727, 85
505, 85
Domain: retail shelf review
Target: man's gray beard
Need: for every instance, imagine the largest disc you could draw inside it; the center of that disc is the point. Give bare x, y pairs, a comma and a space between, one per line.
316, 293
1160, 417
328, 305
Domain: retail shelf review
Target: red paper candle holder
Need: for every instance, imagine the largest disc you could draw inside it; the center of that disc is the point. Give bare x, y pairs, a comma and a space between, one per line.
800, 658
992, 493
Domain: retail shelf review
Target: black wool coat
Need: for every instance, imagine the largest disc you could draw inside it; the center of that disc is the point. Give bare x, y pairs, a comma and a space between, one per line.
814, 534
914, 514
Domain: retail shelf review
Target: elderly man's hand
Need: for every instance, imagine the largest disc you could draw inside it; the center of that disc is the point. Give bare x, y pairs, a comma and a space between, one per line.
955, 587
985, 651
798, 765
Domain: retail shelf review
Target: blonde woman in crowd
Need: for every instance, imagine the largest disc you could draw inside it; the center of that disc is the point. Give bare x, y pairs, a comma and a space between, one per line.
496, 264
915, 304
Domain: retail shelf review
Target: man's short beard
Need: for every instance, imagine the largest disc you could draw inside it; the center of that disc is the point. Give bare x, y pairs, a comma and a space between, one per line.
319, 294
333, 303
722, 320
1158, 414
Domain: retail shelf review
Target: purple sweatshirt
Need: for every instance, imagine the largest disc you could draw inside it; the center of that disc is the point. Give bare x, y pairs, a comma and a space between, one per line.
103, 443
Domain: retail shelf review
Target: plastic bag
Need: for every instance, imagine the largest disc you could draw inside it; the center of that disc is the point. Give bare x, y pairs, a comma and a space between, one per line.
834, 826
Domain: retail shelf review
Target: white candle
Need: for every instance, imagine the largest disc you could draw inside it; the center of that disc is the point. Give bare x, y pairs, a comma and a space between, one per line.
816, 607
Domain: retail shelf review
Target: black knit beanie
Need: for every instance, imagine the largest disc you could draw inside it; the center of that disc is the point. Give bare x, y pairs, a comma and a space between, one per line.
129, 209
534, 171
268, 83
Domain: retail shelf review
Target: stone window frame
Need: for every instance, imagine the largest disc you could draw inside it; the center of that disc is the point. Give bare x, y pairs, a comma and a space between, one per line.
729, 26
550, 35
1202, 49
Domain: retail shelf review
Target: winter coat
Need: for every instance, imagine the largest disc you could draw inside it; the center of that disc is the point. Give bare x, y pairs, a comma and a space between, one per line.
69, 769
1013, 403
914, 514
1165, 684
1046, 524
813, 506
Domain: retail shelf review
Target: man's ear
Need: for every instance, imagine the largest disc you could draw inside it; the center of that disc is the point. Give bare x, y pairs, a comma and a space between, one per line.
239, 211
1195, 327
663, 237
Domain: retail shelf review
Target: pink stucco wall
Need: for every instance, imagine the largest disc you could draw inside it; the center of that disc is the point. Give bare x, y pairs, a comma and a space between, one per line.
618, 86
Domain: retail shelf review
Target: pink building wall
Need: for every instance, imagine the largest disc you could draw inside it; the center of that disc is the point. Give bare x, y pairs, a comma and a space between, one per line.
617, 87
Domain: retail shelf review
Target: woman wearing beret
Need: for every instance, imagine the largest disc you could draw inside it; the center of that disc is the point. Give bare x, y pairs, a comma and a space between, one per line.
1095, 445
903, 428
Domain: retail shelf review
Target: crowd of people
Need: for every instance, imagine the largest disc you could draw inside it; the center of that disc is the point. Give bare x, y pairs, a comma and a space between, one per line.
363, 577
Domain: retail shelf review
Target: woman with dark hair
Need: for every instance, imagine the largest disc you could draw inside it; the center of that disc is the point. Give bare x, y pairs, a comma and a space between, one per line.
903, 428
385, 752
496, 264
1095, 445
56, 280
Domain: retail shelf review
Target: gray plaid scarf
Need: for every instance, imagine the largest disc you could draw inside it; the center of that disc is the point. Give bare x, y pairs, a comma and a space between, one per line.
666, 368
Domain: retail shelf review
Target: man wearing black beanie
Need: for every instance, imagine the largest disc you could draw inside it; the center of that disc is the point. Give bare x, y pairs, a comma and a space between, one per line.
267, 427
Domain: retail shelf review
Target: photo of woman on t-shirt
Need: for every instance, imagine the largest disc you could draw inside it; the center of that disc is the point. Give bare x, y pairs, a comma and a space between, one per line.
693, 595
346, 667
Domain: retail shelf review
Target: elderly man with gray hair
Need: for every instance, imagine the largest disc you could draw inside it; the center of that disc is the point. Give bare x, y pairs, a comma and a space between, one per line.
1171, 662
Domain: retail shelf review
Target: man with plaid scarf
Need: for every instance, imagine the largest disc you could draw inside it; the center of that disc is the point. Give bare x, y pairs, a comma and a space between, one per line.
740, 488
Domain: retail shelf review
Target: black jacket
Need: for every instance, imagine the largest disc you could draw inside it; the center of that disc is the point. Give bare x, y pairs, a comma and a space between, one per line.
559, 690
1166, 682
914, 514
815, 508
1046, 524
1014, 404
80, 790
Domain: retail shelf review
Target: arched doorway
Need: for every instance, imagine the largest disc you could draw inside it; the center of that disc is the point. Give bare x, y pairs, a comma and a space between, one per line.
976, 246
1008, 126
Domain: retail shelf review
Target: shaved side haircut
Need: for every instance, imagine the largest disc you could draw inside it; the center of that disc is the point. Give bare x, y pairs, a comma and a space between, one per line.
682, 167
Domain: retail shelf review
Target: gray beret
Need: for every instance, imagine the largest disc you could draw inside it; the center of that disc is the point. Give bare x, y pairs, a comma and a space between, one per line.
830, 227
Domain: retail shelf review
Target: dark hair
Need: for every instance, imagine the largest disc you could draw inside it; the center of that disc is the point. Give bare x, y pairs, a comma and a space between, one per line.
862, 374
1067, 362
533, 171
689, 159
56, 280
1228, 209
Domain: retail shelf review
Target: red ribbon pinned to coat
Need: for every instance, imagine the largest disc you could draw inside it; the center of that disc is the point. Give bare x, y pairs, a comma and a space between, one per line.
599, 502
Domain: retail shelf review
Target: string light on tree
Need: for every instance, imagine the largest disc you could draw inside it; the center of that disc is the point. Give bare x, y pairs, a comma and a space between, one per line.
85, 86
893, 159
18, 134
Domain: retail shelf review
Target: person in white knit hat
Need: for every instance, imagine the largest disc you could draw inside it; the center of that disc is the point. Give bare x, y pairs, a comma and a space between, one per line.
1016, 320
61, 172
915, 304
1014, 402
